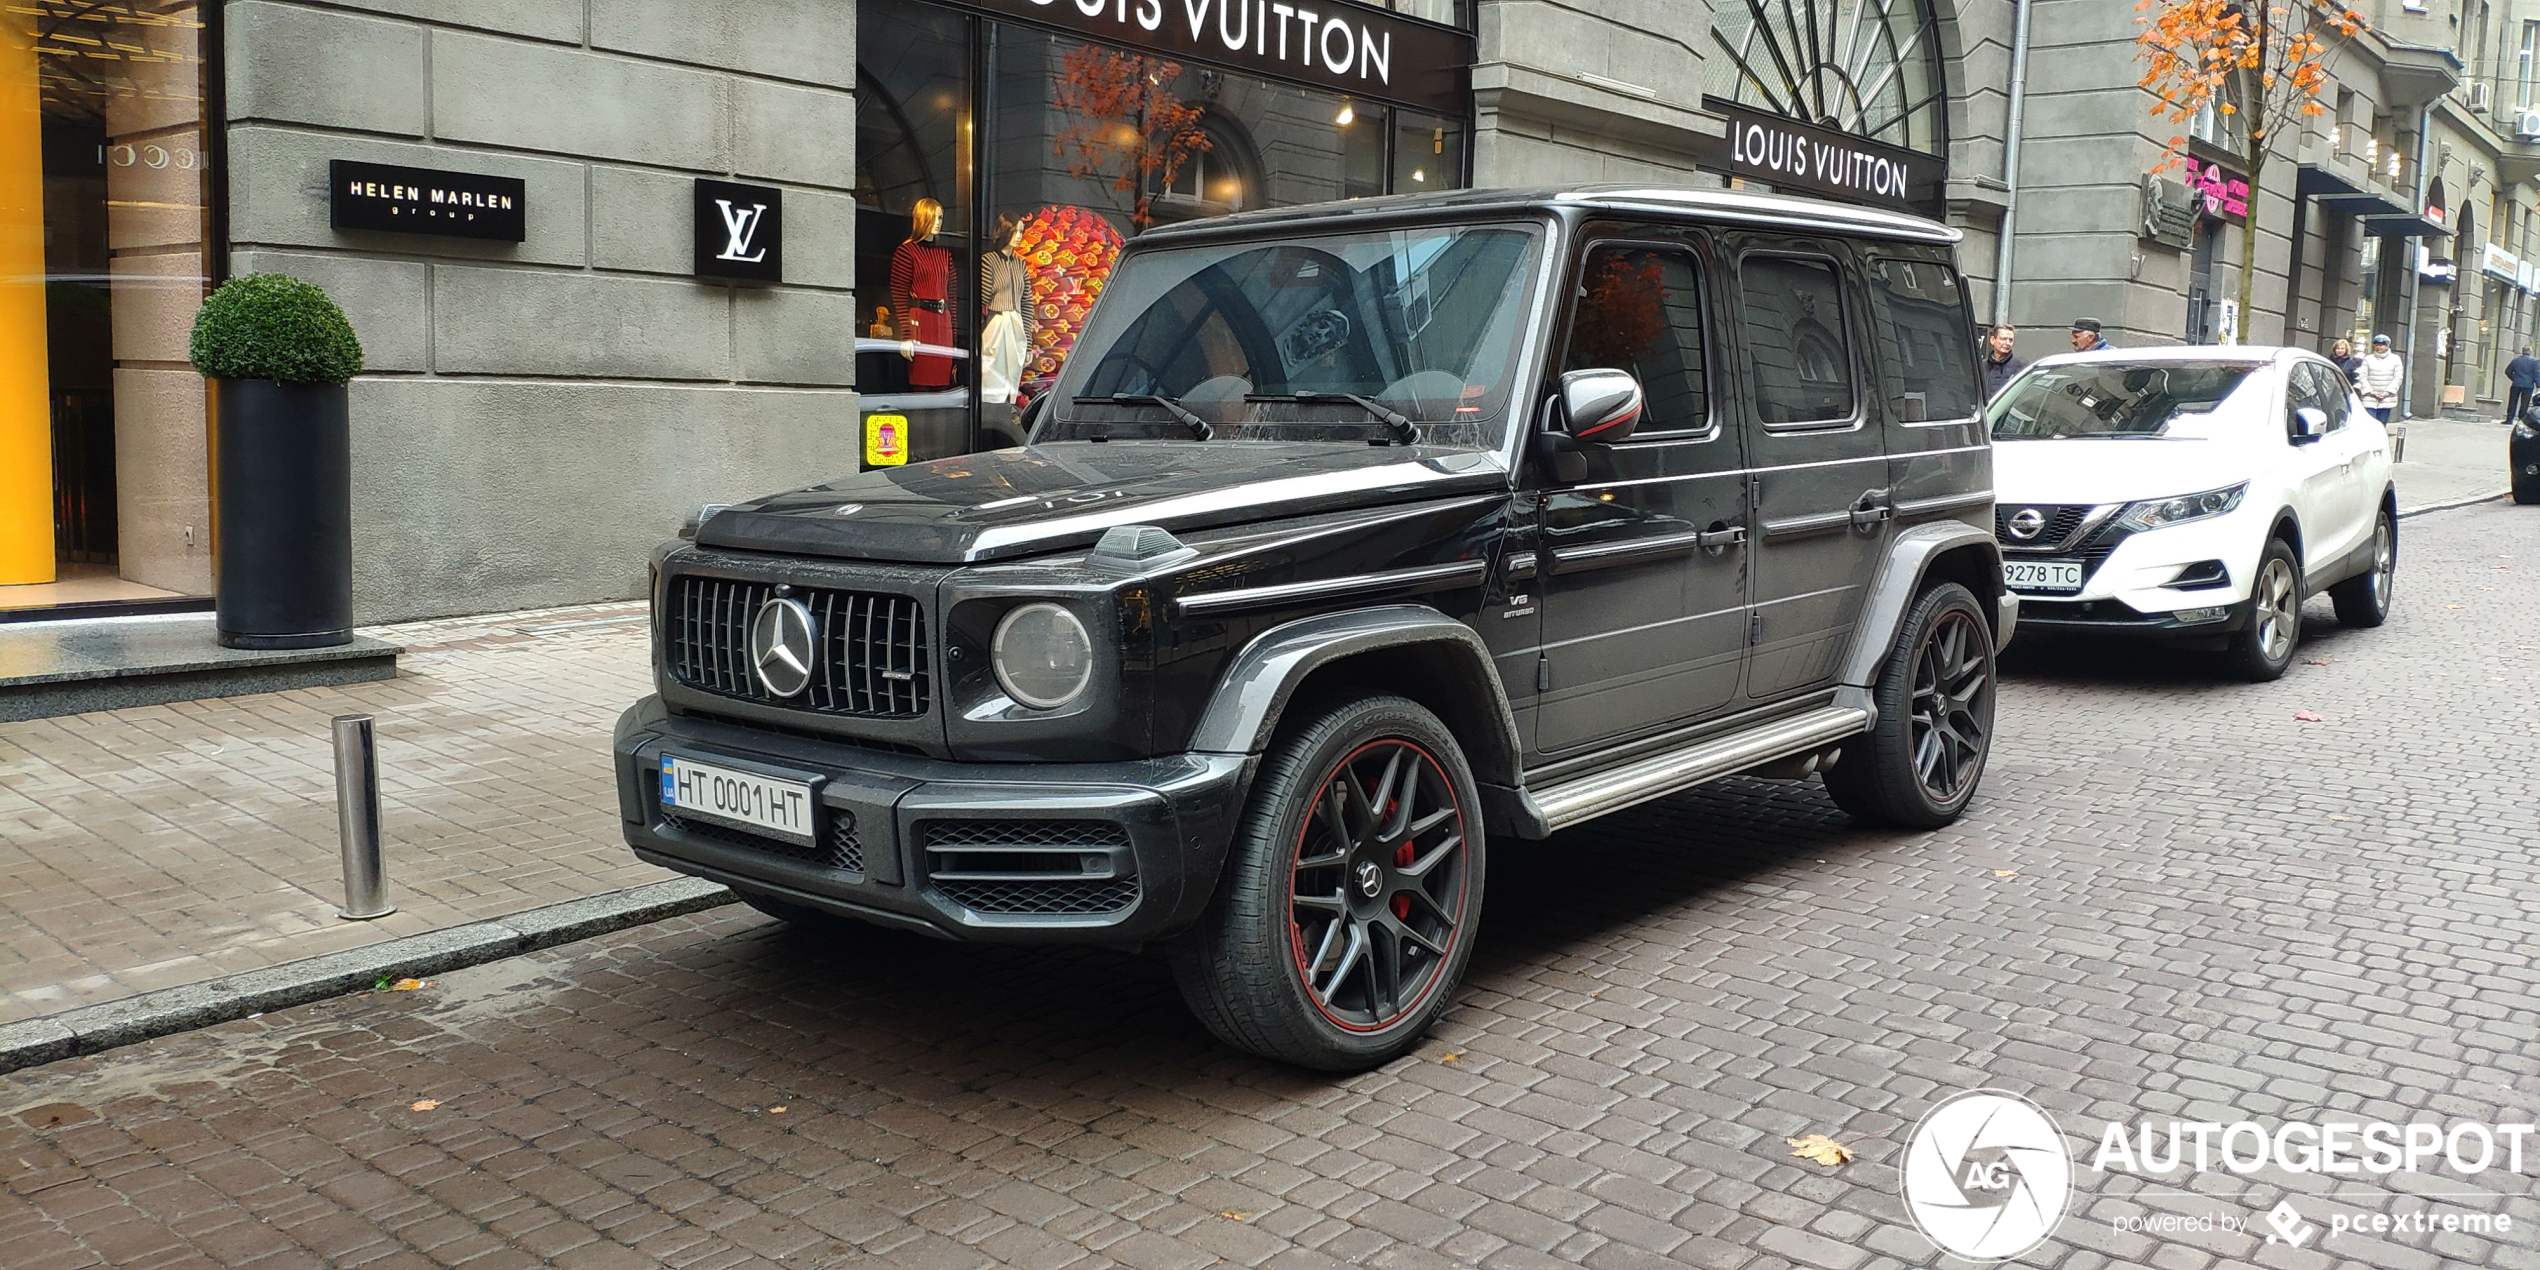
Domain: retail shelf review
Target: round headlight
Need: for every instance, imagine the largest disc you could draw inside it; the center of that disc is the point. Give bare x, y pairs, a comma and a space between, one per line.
1042, 655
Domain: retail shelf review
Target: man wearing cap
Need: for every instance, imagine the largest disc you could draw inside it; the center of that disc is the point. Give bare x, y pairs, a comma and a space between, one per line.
2378, 379
2086, 337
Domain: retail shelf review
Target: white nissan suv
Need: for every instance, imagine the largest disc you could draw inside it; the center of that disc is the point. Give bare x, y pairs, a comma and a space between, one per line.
2193, 494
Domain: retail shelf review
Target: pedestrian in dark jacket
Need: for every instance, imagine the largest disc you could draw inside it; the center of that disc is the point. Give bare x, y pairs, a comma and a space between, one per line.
2000, 366
2522, 372
2343, 353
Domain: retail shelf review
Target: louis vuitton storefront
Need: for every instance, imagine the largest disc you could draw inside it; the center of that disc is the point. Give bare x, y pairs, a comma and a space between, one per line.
1007, 149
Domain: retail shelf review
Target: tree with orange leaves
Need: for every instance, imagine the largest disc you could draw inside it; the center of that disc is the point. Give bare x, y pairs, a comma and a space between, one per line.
1125, 122
2257, 62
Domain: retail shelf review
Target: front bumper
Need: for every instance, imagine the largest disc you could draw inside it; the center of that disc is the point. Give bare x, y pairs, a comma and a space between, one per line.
2116, 617
1106, 853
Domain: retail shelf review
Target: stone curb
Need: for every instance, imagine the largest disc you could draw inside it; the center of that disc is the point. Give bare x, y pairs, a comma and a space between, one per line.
2473, 500
105, 1026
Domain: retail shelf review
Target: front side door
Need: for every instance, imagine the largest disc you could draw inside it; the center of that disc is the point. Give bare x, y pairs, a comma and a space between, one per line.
1823, 510
1641, 566
2322, 483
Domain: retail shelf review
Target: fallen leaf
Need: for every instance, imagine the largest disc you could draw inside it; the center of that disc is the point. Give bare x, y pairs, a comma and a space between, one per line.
1232, 1215
424, 1104
407, 985
2334, 816
1449, 1058
2307, 716
776, 1111
2006, 873
2451, 606
2316, 661
1820, 1148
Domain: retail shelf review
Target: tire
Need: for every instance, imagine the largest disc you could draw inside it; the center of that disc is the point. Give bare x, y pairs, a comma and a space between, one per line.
1338, 934
1920, 765
2364, 599
2263, 649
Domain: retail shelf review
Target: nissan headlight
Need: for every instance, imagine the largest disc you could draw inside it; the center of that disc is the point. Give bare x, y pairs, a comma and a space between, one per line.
1042, 656
2156, 513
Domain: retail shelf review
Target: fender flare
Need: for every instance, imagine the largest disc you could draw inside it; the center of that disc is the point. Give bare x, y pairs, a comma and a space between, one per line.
1258, 684
1900, 578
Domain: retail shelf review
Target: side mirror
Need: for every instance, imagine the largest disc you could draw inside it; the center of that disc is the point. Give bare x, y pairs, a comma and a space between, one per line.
1033, 412
1600, 405
2310, 423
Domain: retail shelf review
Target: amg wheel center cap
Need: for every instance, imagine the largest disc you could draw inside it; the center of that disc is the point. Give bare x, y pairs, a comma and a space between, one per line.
781, 646
2027, 523
1370, 878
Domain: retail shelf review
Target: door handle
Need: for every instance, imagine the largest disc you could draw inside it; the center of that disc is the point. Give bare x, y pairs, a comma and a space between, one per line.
1872, 509
1717, 540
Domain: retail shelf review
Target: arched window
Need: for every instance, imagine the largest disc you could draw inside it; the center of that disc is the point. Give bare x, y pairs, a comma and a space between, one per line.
1871, 68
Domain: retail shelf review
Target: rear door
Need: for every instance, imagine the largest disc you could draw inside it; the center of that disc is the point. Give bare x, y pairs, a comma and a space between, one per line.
1820, 487
1642, 565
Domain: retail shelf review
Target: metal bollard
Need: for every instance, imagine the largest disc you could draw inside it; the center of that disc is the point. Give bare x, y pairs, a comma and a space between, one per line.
357, 816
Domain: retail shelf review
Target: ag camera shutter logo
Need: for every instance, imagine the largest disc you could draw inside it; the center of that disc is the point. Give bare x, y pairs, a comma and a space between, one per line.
1987, 1175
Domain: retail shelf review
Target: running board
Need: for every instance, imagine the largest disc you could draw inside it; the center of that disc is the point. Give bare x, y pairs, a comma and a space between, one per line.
1588, 797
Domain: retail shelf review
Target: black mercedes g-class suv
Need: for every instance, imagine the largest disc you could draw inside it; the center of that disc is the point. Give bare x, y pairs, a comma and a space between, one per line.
1351, 539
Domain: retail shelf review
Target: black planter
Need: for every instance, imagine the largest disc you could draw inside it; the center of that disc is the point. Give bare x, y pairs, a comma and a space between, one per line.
282, 515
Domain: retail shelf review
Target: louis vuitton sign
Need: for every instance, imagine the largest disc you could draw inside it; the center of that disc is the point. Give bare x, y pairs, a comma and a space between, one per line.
740, 231
426, 201
1334, 44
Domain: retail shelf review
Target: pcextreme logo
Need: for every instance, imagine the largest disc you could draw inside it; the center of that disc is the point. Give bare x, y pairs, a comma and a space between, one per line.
1987, 1175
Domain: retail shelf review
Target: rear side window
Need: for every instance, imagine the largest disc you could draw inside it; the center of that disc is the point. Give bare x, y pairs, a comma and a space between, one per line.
1927, 352
1639, 309
2317, 385
1795, 339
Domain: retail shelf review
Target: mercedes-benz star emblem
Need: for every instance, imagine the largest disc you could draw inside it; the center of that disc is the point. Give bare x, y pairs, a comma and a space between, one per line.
780, 646
1370, 879
2027, 523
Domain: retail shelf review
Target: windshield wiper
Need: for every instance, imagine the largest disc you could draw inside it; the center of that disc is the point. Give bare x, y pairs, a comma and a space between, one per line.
1404, 431
1200, 431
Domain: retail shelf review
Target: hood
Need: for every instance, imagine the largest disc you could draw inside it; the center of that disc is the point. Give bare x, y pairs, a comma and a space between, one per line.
1002, 504
2104, 470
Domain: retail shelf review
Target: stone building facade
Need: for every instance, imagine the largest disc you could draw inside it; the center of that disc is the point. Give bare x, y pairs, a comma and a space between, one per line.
539, 412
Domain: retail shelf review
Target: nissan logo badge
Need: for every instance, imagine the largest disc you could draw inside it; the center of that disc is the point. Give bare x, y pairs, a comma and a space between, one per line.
2028, 523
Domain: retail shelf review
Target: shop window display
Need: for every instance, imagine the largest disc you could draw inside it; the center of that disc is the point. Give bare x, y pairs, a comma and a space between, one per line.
1063, 150
104, 178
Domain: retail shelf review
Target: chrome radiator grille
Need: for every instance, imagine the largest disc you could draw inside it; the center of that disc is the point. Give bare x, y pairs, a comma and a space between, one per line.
871, 660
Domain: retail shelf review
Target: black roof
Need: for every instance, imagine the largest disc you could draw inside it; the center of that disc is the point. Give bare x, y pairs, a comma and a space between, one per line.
1724, 206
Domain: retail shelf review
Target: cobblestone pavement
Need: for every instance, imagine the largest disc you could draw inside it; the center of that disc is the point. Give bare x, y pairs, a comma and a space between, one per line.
2175, 899
171, 844
2448, 461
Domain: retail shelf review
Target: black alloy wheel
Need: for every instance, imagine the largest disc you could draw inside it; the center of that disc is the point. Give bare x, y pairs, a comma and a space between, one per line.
1378, 896
1918, 766
1346, 911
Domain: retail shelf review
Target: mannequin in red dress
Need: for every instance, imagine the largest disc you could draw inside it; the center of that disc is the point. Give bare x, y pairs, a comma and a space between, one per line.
921, 294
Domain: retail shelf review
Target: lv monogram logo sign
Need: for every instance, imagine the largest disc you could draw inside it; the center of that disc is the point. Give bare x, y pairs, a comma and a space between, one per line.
739, 231
740, 224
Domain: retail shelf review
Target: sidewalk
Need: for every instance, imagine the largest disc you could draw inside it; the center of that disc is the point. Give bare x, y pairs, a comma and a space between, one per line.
165, 845
2448, 462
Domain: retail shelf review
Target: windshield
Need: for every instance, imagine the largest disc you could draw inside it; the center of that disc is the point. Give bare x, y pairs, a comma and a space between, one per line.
2114, 399
1272, 340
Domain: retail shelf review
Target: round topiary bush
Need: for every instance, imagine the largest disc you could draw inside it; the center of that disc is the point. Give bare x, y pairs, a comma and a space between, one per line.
272, 326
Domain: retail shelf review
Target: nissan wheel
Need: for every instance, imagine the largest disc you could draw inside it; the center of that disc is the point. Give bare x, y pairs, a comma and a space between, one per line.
1919, 764
1351, 891
2364, 599
2263, 649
